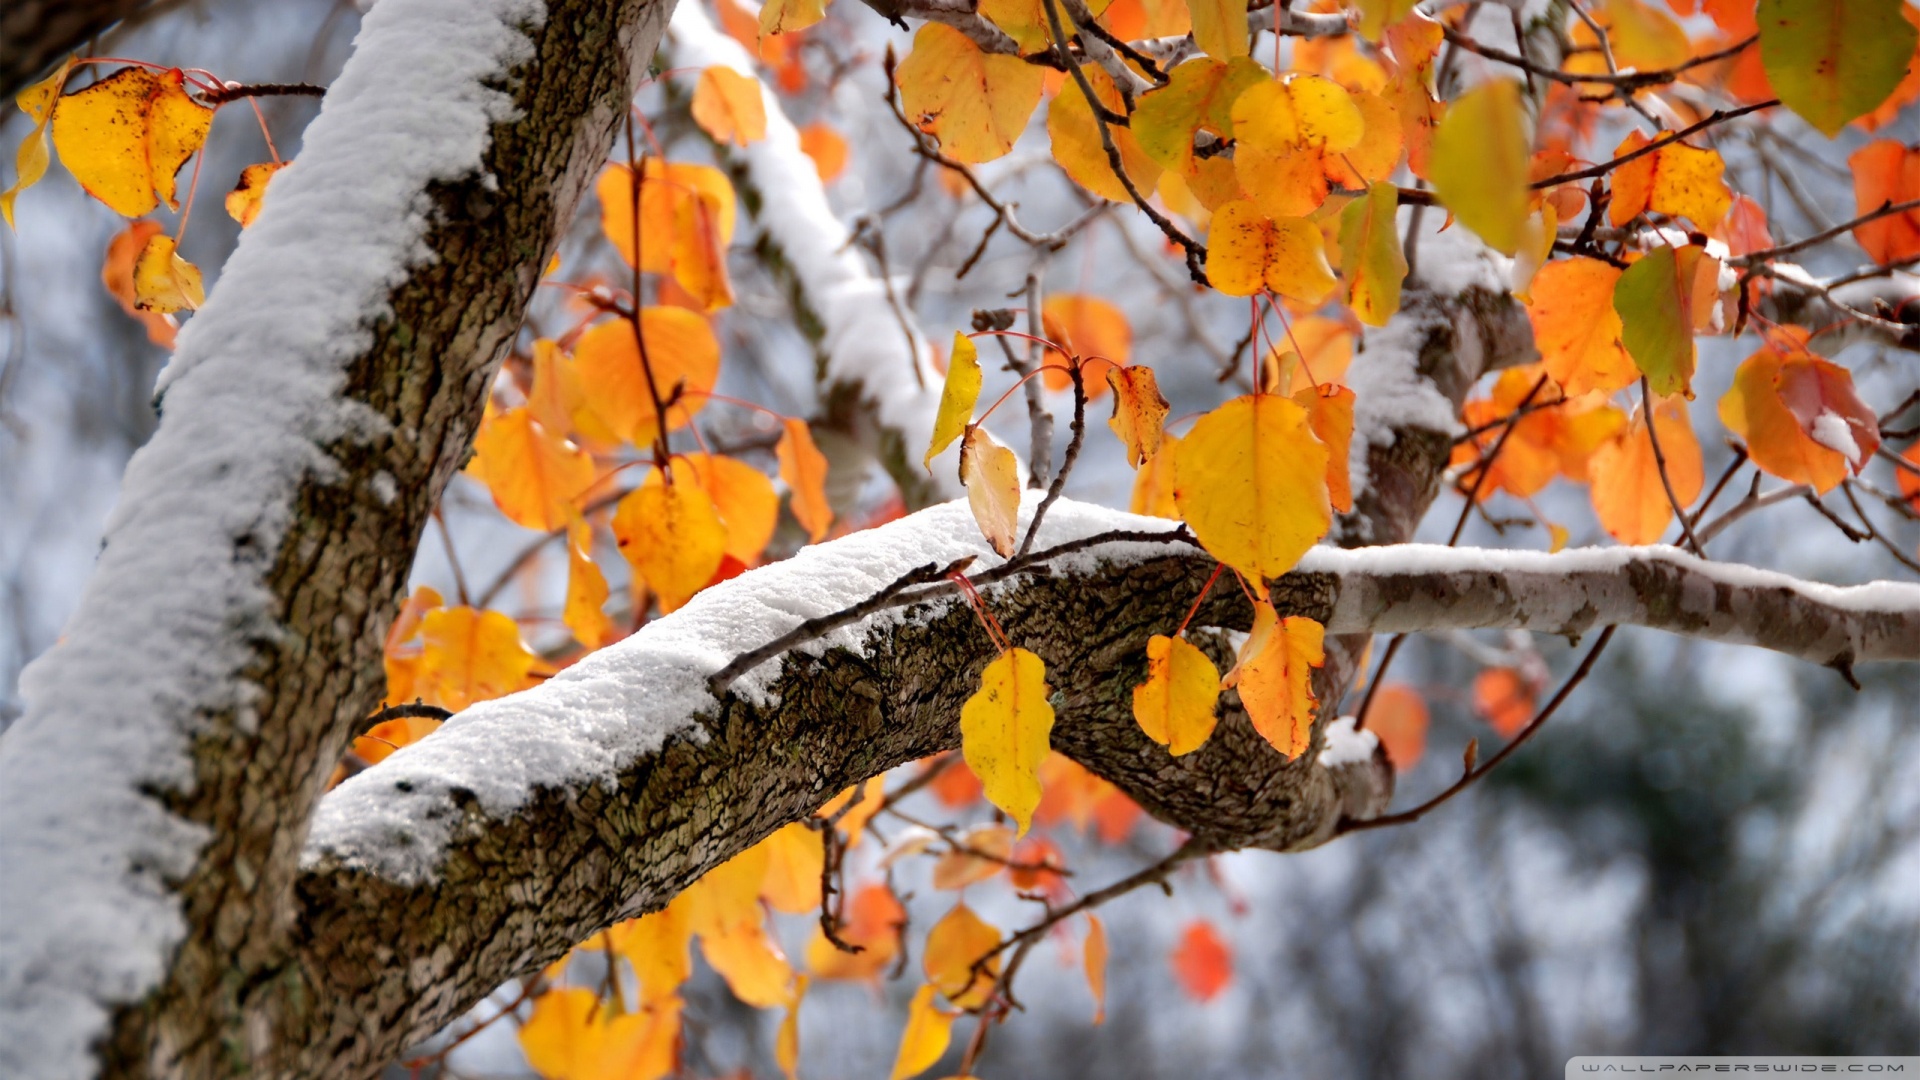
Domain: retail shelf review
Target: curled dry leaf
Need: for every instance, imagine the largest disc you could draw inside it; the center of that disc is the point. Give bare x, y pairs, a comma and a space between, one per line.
1139, 412
992, 478
163, 282
244, 201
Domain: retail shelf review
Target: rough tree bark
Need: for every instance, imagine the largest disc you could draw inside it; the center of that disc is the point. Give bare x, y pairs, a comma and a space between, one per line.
334, 966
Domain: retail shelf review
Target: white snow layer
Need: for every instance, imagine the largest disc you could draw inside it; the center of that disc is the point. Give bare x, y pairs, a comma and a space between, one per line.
1346, 746
592, 720
1831, 431
863, 335
160, 638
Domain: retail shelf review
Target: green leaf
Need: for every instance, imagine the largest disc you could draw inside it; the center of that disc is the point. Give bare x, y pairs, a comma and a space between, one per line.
1832, 61
1653, 311
1370, 256
1479, 164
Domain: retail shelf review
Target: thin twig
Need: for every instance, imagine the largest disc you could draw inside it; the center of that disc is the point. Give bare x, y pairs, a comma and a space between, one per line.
1078, 435
236, 91
1660, 466
1885, 209
1473, 774
1846, 488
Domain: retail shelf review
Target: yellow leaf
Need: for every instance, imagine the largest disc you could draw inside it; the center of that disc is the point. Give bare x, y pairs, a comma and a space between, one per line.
1370, 255
1251, 252
1004, 731
534, 474
804, 468
1094, 959
681, 354
992, 478
742, 495
787, 16
957, 397
954, 946
976, 104
1199, 96
786, 1044
1377, 154
1138, 411
1075, 137
1676, 179
1481, 163
925, 1039
247, 196
1285, 132
672, 535
1175, 705
1250, 479
1274, 677
751, 962
794, 858
163, 282
728, 106
30, 162
656, 946
126, 136
1220, 27
1330, 418
470, 656
586, 589
1153, 484
573, 1036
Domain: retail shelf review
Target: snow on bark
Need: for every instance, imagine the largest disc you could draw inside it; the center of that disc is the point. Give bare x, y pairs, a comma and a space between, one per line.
594, 720
161, 639
862, 339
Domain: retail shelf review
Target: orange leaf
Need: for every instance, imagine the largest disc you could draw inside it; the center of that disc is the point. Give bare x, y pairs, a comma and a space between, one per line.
382, 739
1251, 480
728, 107
1175, 705
854, 821
1398, 716
125, 137
786, 1044
1908, 479
681, 353
1035, 868
787, 16
959, 869
1576, 327
1094, 960
572, 1036
751, 962
794, 858
1628, 494
673, 536
1138, 411
533, 473
827, 148
873, 920
1753, 410
1677, 180
955, 944
925, 1039
1819, 394
116, 273
470, 656
244, 201
1330, 418
1202, 962
1087, 327
1886, 172
975, 103
1275, 677
686, 222
586, 590
742, 496
1286, 132
992, 478
1505, 698
1004, 732
1252, 252
804, 468
1316, 350
1153, 484
1074, 134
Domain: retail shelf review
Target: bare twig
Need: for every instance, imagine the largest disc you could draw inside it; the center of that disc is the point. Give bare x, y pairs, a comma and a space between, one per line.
1076, 372
1660, 466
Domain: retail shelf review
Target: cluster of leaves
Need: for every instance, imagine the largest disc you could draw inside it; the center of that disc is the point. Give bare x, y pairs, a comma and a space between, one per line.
1297, 175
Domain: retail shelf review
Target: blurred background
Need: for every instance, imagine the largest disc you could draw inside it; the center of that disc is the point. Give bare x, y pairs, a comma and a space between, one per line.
1709, 850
